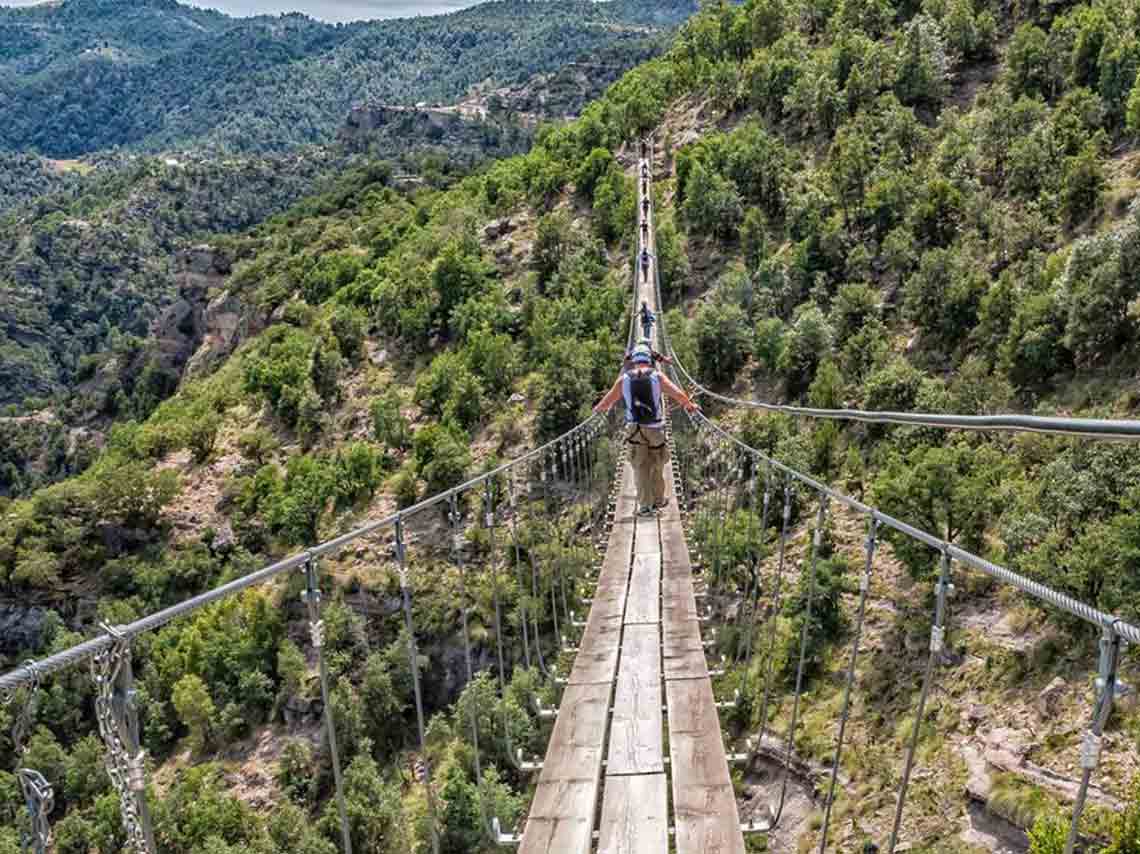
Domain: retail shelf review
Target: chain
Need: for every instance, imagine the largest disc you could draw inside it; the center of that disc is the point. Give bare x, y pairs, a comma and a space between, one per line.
114, 711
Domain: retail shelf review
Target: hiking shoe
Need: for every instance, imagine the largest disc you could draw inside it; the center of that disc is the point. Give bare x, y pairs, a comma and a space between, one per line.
645, 510
662, 504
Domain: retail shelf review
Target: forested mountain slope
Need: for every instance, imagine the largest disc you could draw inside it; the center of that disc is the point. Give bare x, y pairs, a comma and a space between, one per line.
85, 75
846, 223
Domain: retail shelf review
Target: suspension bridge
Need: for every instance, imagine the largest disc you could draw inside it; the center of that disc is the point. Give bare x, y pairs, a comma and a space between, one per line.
636, 759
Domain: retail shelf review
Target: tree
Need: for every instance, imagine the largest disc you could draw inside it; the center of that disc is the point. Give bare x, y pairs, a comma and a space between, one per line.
597, 163
952, 490
195, 708
672, 261
1133, 109
348, 325
721, 330
566, 389
458, 273
712, 203
807, 341
551, 244
923, 64
1082, 185
375, 817
615, 203
1098, 287
1027, 63
462, 824
826, 391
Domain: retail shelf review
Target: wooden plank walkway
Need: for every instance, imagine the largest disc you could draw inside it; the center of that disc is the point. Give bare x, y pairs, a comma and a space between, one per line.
563, 811
641, 643
704, 804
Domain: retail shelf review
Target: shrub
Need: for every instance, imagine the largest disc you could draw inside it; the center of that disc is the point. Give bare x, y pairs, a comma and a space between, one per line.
202, 435
448, 389
348, 325
258, 445
441, 456
389, 425
299, 504
195, 708
358, 472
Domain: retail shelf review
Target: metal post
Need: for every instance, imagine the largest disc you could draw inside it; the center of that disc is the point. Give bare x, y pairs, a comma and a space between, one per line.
312, 600
39, 797
756, 590
489, 522
457, 556
414, 659
1090, 747
864, 588
518, 568
769, 673
817, 540
937, 640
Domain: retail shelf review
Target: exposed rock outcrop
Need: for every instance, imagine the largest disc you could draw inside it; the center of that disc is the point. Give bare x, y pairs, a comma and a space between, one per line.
21, 627
227, 319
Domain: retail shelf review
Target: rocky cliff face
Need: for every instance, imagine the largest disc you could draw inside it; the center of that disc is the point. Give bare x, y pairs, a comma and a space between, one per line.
227, 319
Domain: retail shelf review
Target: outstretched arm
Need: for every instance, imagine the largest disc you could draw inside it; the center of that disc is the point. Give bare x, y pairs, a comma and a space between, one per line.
677, 394
612, 396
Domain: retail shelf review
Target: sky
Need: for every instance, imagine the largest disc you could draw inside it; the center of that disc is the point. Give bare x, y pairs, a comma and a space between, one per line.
325, 10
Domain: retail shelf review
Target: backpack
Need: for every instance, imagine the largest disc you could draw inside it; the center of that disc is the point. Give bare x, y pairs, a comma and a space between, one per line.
642, 401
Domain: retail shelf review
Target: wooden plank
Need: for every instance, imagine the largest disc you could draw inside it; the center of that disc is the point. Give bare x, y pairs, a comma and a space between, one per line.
648, 539
561, 818
636, 726
683, 654
644, 602
704, 804
597, 656
576, 743
634, 816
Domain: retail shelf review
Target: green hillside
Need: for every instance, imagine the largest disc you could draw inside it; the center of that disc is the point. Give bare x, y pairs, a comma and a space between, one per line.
86, 75
895, 207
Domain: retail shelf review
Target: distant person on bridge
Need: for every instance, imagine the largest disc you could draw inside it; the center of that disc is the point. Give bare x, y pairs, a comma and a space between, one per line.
645, 206
645, 256
648, 318
641, 388
645, 229
644, 170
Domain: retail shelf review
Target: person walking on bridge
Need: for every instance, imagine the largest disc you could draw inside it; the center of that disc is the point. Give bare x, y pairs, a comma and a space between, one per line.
645, 256
648, 318
641, 388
